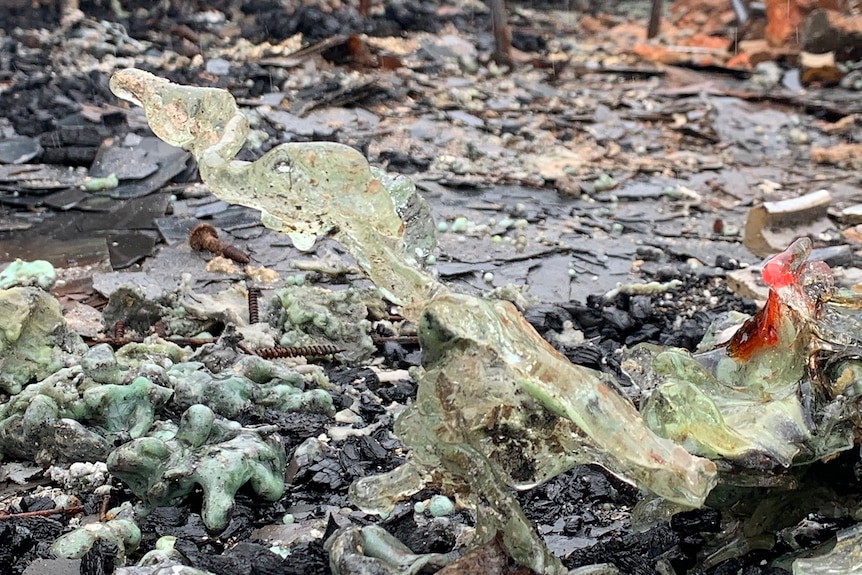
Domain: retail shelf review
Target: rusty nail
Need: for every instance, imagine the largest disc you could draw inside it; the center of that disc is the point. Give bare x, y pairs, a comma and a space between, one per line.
205, 237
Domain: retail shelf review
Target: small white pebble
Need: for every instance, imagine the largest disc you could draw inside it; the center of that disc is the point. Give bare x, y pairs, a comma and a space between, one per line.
798, 136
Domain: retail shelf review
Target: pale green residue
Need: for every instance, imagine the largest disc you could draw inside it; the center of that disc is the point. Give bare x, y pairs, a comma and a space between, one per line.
152, 350
109, 182
38, 273
44, 421
308, 316
121, 531
34, 341
163, 552
440, 506
101, 365
218, 455
497, 406
230, 392
131, 408
29, 422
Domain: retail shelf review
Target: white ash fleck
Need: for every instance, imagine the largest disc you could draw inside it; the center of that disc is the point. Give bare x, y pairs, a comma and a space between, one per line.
80, 476
258, 335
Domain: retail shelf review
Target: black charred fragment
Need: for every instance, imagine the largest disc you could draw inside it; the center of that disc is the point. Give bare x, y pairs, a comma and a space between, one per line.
617, 319
16, 541
397, 355
294, 427
100, 559
245, 559
216, 553
24, 539
696, 521
546, 316
587, 318
586, 354
574, 493
435, 536
398, 392
29, 503
636, 553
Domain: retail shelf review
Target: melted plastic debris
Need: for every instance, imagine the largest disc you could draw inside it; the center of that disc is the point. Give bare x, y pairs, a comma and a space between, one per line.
230, 392
488, 375
302, 189
795, 283
39, 424
845, 558
44, 422
121, 531
164, 558
218, 455
753, 401
373, 550
541, 416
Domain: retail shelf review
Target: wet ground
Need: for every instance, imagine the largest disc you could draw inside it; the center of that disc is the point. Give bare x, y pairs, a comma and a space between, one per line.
581, 169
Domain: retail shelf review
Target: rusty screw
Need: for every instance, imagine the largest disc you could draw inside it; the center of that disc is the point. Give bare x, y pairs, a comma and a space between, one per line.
253, 304
119, 330
301, 351
205, 237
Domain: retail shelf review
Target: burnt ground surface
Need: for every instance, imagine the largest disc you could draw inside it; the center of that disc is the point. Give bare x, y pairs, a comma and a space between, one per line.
609, 170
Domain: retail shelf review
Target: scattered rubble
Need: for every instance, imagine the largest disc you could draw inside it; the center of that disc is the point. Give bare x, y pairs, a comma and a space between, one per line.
469, 340
772, 225
573, 164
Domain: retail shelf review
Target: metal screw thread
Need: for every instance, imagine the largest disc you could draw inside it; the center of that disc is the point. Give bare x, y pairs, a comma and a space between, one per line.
119, 330
302, 351
205, 237
253, 304
234, 253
